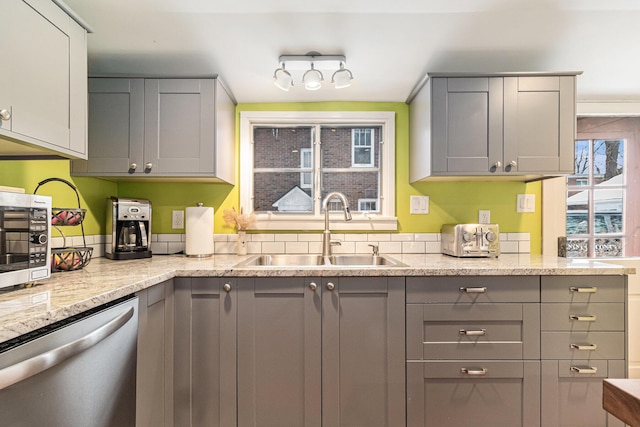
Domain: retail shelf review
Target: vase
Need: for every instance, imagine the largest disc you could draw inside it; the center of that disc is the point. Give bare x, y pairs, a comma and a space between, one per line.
241, 244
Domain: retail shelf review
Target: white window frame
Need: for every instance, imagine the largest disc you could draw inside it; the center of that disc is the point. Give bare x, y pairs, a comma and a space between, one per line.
303, 152
385, 219
371, 146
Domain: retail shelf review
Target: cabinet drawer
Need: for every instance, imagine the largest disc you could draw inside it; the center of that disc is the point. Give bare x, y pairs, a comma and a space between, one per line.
582, 317
582, 345
473, 331
572, 399
582, 289
473, 289
441, 394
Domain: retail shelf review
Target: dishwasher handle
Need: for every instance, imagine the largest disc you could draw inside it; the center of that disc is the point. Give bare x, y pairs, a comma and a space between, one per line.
27, 368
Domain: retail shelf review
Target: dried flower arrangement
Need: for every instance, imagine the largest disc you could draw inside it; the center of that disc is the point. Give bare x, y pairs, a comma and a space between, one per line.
239, 220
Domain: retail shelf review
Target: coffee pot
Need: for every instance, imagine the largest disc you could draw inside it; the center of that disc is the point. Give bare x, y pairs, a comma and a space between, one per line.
128, 228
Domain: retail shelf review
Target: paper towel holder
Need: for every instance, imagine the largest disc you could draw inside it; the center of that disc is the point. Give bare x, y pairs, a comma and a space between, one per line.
198, 225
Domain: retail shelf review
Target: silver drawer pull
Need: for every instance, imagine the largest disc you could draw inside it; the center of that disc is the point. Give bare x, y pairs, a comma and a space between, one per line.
583, 318
473, 332
476, 290
584, 290
477, 372
584, 369
589, 347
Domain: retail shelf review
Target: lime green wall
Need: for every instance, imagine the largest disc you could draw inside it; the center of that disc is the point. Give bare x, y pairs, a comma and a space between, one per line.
93, 192
450, 202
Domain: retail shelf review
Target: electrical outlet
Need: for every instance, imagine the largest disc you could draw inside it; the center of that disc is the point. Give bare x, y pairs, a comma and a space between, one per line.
419, 205
484, 217
177, 219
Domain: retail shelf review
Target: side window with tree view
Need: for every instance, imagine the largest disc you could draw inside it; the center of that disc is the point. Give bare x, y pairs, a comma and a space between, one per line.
596, 199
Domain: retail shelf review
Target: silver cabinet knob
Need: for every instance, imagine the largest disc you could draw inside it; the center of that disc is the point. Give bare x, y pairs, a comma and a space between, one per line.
331, 286
133, 166
148, 165
497, 164
313, 286
226, 287
5, 114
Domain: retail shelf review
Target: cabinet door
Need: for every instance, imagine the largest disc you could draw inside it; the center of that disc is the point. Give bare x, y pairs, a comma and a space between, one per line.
279, 352
363, 330
154, 377
205, 352
44, 70
116, 127
466, 124
179, 126
539, 123
573, 398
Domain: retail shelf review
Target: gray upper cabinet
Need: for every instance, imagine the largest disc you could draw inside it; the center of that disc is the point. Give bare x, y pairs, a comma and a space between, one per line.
164, 128
43, 90
517, 126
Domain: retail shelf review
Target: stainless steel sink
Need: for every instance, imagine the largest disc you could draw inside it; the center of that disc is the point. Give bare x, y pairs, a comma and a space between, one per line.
364, 260
317, 260
282, 261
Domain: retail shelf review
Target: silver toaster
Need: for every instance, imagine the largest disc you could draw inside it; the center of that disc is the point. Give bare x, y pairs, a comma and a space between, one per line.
470, 240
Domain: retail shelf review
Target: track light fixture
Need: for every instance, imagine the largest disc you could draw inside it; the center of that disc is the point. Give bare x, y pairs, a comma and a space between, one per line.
311, 66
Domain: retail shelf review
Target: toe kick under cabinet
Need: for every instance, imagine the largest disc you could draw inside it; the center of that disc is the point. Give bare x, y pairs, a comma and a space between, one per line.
473, 350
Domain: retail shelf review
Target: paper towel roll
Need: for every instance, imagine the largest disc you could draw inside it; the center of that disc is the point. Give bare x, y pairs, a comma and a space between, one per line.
199, 231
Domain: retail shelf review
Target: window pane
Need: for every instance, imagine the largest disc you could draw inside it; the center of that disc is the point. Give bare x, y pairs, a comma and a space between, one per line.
608, 158
577, 213
337, 146
608, 211
281, 192
609, 247
280, 147
577, 248
354, 185
582, 163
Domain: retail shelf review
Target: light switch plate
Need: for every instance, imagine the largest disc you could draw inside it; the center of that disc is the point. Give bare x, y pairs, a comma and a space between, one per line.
526, 203
484, 217
419, 205
177, 219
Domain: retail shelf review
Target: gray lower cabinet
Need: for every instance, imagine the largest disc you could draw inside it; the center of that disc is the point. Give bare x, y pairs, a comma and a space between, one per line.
204, 377
154, 378
583, 341
473, 351
159, 128
44, 80
321, 352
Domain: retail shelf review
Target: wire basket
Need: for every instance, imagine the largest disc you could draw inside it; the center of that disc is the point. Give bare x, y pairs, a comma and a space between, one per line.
68, 259
67, 216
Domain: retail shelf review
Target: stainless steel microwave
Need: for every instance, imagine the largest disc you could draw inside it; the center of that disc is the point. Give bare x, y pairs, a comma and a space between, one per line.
25, 235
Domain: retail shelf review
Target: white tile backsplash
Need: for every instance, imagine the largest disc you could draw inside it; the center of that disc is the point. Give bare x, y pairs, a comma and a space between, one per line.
303, 243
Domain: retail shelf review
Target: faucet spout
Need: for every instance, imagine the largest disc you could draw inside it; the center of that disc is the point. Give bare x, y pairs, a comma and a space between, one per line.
326, 235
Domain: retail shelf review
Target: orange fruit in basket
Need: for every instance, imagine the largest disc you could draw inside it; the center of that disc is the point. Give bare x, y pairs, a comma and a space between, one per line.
66, 261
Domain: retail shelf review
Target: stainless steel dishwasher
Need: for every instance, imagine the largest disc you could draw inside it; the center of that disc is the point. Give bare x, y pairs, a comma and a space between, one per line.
80, 372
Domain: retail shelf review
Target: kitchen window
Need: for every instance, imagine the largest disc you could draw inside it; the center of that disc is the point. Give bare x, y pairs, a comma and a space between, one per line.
291, 160
596, 199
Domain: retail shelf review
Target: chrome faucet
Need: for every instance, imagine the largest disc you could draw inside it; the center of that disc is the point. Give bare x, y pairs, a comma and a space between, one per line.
326, 236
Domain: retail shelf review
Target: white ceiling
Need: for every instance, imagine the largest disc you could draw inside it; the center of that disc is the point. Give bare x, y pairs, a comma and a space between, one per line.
389, 45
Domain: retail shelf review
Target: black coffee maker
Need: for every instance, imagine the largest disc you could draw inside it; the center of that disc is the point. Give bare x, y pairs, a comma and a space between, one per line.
128, 228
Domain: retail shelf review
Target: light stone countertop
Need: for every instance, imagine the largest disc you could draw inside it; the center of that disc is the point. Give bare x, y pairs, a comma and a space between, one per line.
23, 310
